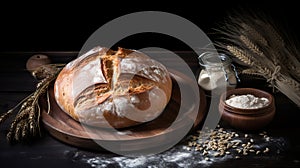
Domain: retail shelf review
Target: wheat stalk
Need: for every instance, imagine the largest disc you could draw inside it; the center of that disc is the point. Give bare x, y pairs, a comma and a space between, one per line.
289, 87
292, 64
292, 83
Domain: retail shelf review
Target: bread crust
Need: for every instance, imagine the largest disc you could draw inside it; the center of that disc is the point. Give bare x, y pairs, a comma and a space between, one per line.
119, 89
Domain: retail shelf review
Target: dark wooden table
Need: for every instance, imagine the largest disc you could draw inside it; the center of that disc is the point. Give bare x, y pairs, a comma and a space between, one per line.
16, 83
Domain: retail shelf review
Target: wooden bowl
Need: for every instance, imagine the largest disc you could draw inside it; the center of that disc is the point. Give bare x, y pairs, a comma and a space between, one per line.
247, 119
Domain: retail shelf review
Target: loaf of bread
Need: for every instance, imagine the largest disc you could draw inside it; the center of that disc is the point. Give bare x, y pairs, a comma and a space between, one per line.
107, 88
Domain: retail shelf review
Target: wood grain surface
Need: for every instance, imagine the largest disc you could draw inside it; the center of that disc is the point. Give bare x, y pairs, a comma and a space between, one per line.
48, 151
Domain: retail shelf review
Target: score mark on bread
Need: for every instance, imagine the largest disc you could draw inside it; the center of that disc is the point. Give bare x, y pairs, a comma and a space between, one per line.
117, 89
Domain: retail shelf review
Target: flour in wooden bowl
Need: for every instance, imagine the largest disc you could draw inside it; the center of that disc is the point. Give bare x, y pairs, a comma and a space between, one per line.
247, 101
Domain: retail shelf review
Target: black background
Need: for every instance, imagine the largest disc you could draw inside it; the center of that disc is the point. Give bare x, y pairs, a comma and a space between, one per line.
49, 26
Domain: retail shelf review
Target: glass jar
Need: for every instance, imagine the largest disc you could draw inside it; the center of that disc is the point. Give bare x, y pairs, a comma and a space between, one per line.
216, 69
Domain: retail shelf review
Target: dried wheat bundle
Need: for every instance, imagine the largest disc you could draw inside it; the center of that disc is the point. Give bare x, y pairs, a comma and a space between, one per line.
26, 123
257, 43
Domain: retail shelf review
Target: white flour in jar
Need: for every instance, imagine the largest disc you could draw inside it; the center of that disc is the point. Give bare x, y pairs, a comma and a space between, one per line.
213, 80
247, 101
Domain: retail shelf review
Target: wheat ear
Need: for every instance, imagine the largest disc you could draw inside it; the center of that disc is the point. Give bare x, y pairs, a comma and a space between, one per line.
275, 39
253, 47
250, 31
240, 54
252, 72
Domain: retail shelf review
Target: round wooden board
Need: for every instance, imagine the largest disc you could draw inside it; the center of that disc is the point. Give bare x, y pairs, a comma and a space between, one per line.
63, 127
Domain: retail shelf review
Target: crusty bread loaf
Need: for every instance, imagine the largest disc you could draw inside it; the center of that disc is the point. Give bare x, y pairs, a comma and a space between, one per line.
107, 88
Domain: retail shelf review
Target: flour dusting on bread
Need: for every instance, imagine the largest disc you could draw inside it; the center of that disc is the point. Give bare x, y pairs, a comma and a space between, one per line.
113, 88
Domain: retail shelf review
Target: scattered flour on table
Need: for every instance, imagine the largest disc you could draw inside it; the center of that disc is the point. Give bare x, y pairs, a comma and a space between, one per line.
247, 101
167, 159
179, 156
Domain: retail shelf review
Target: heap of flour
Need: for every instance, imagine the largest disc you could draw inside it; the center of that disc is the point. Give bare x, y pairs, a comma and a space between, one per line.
247, 101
